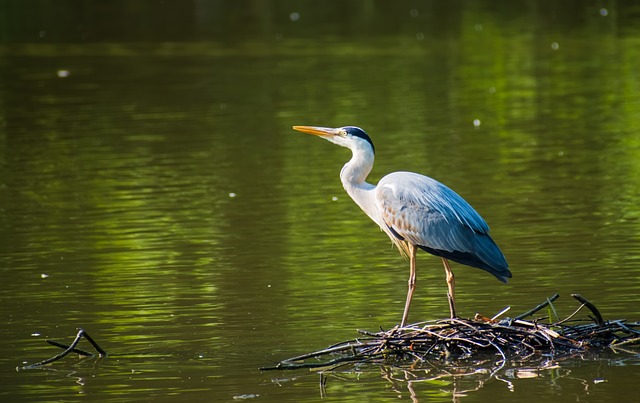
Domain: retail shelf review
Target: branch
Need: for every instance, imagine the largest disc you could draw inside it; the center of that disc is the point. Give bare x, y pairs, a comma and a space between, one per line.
591, 307
68, 349
537, 308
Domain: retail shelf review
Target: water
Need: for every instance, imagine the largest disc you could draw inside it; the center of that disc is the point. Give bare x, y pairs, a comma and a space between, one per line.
152, 190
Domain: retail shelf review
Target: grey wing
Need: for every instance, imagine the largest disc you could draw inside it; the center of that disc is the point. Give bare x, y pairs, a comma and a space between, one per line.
424, 212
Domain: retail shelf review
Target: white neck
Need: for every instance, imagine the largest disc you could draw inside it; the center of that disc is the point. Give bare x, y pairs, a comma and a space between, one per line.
353, 177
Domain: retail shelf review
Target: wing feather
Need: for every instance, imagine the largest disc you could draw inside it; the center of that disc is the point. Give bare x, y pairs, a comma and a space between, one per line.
426, 213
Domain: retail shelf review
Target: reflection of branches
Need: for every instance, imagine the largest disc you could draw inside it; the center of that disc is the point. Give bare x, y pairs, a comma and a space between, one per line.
460, 378
454, 379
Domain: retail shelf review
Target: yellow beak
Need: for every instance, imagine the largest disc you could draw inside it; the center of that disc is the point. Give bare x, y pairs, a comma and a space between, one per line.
324, 132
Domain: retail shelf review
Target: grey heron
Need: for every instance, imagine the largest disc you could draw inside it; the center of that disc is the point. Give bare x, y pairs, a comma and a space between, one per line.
416, 212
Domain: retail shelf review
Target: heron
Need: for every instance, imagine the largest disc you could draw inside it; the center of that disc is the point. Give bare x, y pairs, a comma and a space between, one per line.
416, 212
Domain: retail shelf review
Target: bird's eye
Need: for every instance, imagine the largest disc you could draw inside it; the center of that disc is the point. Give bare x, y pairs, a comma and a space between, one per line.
343, 132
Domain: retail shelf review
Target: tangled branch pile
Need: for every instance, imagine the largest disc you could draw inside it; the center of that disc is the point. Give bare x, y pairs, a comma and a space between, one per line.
460, 339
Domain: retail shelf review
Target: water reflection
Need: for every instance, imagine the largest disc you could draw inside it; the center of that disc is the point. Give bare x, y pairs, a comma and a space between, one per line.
148, 170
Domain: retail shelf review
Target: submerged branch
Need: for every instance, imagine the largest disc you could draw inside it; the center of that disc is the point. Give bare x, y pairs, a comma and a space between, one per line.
69, 349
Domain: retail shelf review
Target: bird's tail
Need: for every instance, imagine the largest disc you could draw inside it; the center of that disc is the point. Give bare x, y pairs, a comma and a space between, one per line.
491, 258
487, 256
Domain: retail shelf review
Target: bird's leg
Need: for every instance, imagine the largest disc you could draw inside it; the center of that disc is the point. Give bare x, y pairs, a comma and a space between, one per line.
451, 283
412, 282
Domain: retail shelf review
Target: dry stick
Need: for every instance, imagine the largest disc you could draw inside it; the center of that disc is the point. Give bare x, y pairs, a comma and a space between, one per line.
341, 347
289, 365
537, 308
591, 307
570, 316
368, 333
335, 348
499, 314
627, 341
625, 327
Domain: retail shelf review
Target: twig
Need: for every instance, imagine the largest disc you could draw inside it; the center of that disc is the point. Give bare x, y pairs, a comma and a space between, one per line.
539, 307
499, 314
570, 316
287, 364
627, 341
625, 327
591, 307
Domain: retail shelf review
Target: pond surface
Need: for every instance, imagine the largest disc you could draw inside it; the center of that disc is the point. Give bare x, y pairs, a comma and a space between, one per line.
153, 193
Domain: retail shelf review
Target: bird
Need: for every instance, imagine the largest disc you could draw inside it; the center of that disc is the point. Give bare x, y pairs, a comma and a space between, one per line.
416, 212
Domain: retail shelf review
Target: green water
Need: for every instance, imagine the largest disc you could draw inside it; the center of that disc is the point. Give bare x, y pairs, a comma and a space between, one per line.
152, 190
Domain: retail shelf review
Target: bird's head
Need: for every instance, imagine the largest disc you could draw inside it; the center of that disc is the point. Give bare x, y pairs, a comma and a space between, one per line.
351, 137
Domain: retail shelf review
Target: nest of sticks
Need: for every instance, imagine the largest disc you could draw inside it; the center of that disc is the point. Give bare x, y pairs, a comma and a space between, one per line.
455, 340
